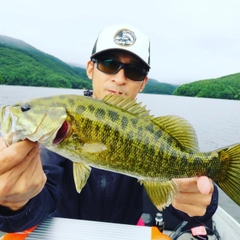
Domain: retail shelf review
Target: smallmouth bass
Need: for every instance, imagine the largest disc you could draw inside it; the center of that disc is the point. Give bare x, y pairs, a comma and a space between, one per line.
118, 134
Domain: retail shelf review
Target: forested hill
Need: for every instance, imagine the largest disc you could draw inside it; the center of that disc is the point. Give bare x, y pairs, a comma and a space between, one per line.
226, 87
155, 87
22, 64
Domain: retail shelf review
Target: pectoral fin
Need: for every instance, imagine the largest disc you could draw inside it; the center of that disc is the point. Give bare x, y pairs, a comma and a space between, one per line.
161, 193
92, 146
81, 173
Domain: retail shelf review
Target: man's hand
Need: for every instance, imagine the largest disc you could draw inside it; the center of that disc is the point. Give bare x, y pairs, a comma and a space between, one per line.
21, 173
195, 194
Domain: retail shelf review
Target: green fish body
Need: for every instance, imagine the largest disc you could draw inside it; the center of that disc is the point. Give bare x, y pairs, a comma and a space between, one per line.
118, 134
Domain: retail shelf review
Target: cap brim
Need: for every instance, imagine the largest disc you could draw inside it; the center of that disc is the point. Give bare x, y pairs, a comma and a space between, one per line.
120, 49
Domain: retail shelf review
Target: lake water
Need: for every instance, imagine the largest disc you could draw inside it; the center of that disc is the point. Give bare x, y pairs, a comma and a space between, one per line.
216, 122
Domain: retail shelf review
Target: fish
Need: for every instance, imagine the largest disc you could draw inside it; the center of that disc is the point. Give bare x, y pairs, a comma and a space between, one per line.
118, 134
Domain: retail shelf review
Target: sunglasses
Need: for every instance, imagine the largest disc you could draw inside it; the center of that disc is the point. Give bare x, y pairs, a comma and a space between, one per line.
134, 72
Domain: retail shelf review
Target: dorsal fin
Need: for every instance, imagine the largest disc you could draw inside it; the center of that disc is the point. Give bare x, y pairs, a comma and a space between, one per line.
180, 129
127, 104
175, 126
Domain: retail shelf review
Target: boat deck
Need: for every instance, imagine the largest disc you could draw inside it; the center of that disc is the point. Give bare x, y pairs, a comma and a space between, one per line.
72, 229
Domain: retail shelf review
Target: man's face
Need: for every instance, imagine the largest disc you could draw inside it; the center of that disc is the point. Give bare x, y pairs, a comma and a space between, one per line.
104, 84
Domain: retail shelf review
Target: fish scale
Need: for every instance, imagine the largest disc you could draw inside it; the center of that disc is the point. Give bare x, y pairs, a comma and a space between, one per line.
118, 134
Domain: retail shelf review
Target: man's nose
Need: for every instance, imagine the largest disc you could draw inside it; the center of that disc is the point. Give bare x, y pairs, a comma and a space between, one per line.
120, 77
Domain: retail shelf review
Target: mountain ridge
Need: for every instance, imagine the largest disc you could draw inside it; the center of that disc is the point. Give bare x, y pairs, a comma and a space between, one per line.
23, 64
48, 62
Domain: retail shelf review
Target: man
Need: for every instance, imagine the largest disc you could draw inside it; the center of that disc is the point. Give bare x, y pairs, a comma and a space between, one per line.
35, 184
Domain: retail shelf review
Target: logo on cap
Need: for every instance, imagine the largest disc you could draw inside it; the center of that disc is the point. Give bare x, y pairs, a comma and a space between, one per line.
125, 37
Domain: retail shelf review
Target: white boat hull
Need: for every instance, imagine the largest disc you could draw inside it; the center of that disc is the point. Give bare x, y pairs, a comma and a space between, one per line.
62, 228
227, 226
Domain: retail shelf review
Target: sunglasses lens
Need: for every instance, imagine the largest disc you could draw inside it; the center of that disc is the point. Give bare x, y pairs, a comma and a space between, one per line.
136, 73
132, 71
109, 66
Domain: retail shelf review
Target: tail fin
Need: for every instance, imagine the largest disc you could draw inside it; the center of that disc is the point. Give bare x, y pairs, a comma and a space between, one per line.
230, 182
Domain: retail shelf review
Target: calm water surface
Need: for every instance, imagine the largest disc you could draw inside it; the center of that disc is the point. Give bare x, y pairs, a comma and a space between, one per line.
216, 122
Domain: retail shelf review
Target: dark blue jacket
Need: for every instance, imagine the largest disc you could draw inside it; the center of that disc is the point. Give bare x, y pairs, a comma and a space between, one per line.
107, 196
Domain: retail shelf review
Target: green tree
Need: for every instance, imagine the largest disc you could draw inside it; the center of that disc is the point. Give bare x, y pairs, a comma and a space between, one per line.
1, 79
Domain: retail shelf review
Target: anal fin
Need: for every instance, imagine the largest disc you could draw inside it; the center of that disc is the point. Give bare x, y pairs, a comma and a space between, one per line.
161, 193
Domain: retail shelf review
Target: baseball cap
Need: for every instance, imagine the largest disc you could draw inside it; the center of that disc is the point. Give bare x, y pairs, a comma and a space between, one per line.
123, 37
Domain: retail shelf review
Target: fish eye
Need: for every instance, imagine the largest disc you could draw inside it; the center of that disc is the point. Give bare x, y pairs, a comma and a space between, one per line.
25, 107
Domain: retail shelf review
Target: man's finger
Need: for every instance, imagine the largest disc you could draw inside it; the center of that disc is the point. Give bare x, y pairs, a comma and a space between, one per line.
204, 184
14, 154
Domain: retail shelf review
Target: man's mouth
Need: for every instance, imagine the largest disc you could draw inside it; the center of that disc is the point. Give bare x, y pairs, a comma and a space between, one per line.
115, 92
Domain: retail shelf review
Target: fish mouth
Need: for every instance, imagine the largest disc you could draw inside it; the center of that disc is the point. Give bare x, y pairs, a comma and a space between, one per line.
62, 133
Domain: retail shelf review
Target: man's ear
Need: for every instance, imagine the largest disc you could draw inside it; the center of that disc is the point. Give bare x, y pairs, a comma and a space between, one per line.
89, 69
143, 84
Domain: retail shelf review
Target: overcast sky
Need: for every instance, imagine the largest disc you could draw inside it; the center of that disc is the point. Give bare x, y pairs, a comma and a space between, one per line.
190, 39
